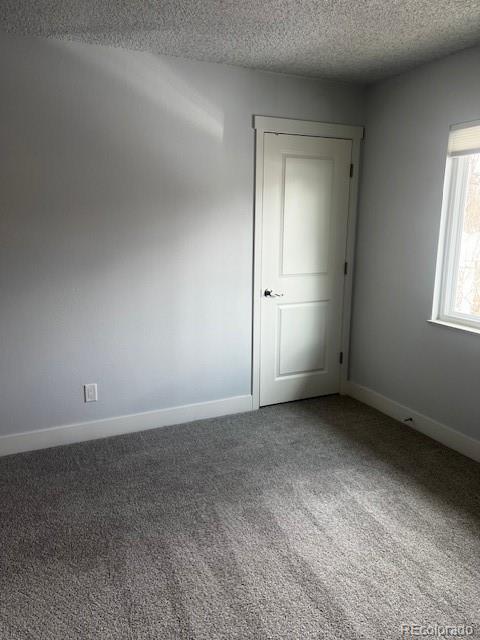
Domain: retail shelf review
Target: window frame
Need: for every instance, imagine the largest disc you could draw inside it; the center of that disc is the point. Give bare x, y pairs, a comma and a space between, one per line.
449, 247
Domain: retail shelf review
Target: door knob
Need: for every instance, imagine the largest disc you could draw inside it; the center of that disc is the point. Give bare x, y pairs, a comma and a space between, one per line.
269, 293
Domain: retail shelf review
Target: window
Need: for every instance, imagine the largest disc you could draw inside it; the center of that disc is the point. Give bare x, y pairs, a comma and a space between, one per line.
457, 288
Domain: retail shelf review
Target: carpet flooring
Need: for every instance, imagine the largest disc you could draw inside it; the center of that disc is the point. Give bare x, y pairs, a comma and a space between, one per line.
314, 519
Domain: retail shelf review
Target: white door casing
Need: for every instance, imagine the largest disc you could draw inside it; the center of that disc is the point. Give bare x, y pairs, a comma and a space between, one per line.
303, 206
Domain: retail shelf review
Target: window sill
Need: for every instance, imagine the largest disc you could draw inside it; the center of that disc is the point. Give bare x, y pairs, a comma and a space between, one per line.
453, 325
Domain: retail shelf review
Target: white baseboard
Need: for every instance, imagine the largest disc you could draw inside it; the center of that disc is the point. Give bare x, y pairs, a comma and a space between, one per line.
435, 430
81, 431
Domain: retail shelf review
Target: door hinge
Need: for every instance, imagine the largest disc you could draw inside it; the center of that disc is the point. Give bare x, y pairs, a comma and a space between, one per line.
351, 171
340, 358
345, 268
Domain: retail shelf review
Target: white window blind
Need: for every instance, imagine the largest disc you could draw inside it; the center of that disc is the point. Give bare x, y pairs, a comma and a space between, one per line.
464, 139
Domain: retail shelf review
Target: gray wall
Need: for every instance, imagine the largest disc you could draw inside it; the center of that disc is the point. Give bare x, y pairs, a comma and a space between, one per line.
126, 213
432, 369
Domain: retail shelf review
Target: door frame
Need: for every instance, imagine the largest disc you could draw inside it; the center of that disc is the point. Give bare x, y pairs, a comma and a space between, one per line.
266, 124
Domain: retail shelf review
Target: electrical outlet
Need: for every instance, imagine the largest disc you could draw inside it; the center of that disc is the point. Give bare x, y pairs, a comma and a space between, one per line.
90, 392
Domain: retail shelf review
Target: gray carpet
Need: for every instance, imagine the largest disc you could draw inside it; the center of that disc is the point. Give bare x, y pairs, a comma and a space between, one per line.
314, 519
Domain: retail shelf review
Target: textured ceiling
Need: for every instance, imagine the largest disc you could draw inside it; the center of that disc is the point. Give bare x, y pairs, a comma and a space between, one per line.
355, 40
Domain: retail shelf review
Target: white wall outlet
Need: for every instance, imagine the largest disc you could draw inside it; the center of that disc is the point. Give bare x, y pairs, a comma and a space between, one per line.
90, 392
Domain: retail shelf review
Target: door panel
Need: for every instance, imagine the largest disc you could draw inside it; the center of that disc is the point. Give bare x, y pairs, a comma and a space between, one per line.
301, 334
305, 213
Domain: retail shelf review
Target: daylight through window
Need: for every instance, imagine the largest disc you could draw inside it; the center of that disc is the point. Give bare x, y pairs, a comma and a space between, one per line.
457, 292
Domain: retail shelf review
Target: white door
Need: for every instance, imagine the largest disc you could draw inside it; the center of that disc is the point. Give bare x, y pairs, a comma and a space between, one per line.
304, 231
